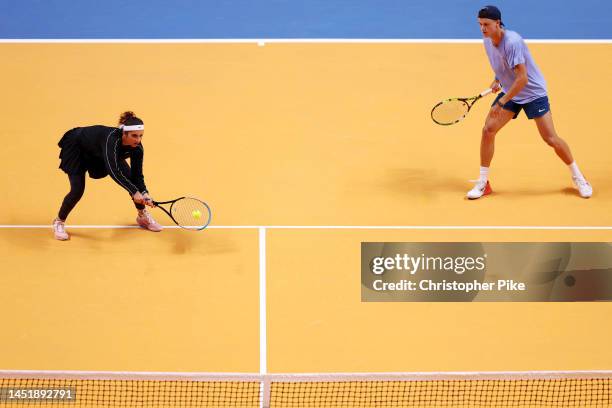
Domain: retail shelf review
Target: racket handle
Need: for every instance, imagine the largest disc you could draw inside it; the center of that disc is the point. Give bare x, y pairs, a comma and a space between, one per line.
486, 92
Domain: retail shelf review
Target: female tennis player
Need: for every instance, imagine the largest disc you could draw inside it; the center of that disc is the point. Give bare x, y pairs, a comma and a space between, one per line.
101, 151
523, 88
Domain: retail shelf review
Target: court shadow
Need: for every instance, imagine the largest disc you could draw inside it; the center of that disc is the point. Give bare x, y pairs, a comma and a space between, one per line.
571, 191
127, 234
92, 238
568, 191
23, 238
182, 242
424, 182
143, 238
199, 242
92, 235
179, 241
42, 238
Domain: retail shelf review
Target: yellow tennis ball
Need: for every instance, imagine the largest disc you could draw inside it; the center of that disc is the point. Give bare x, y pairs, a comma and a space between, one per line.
196, 214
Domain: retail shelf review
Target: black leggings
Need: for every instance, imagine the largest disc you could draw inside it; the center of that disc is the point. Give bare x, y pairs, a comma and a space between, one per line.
77, 188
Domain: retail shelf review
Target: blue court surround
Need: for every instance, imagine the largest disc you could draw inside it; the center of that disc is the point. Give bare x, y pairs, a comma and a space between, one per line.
320, 19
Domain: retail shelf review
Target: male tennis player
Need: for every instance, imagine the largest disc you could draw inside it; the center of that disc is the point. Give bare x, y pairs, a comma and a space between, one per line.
101, 151
523, 87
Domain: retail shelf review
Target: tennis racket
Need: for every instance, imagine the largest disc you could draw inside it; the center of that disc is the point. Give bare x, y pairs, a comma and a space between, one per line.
187, 212
451, 111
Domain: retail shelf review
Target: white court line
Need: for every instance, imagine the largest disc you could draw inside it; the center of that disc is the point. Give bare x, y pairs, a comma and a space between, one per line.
348, 227
284, 41
263, 352
263, 323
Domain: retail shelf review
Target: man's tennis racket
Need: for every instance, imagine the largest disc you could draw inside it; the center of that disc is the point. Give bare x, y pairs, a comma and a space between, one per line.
451, 111
186, 212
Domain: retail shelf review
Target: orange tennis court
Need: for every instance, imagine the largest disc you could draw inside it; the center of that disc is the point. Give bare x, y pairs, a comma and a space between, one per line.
303, 151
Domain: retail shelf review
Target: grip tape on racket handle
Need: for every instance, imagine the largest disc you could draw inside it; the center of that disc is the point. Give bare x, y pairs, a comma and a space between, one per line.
486, 92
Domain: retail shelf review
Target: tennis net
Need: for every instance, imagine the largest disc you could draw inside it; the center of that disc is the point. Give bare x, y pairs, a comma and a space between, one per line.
121, 389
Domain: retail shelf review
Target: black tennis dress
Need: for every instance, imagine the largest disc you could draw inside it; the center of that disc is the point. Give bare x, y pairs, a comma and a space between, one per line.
98, 151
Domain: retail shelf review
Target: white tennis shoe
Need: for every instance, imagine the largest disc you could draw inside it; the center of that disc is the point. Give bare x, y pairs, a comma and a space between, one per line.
480, 189
584, 188
59, 230
146, 221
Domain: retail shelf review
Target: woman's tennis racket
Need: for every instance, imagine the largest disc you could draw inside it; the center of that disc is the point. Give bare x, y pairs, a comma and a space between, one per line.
186, 212
451, 111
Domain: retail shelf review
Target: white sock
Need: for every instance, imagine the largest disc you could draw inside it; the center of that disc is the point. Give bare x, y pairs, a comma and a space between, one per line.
484, 174
575, 170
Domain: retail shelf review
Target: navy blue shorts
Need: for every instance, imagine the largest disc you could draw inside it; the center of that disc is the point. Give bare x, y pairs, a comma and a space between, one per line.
534, 109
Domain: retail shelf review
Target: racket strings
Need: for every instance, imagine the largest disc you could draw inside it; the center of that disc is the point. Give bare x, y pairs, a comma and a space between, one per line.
449, 112
190, 213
